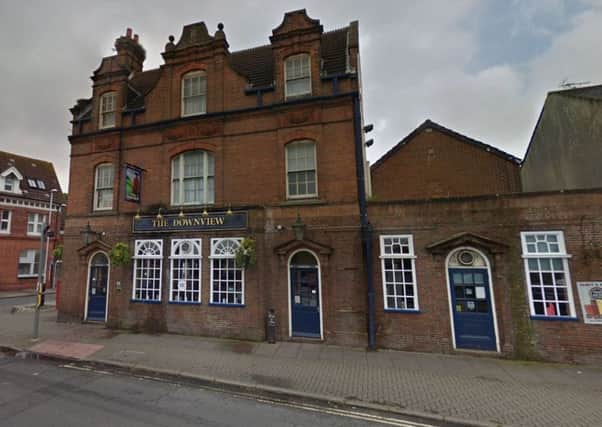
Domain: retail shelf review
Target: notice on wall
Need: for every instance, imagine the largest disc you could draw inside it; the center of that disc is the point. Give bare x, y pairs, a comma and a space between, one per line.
480, 291
590, 295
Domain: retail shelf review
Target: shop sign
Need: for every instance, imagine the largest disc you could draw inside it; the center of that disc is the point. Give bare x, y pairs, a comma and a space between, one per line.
190, 222
590, 294
133, 183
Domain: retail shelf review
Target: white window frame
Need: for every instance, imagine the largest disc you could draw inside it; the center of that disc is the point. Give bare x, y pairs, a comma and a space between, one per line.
202, 93
315, 169
31, 261
288, 95
107, 108
215, 256
177, 175
401, 256
98, 188
41, 184
32, 183
560, 253
6, 220
174, 260
36, 220
149, 262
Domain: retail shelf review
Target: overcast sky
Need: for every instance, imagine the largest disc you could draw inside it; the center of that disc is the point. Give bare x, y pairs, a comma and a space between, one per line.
482, 68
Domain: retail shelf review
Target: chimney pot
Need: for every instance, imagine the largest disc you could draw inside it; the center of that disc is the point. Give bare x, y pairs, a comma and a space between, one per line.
128, 33
135, 38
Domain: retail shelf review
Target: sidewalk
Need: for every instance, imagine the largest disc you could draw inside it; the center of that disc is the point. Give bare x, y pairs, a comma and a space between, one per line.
23, 293
482, 390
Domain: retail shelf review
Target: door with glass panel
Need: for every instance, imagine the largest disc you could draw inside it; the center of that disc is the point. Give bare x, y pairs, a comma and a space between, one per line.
472, 309
97, 287
305, 296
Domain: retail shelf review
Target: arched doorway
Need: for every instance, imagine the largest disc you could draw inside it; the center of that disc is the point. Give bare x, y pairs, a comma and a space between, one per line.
98, 286
474, 325
305, 302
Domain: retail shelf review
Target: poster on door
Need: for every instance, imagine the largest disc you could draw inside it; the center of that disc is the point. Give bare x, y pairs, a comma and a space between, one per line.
590, 294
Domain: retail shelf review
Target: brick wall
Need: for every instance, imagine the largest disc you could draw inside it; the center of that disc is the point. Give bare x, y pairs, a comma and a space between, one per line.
435, 164
12, 244
501, 219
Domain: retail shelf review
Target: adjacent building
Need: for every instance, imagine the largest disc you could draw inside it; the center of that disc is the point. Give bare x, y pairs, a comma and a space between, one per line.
564, 152
26, 188
226, 185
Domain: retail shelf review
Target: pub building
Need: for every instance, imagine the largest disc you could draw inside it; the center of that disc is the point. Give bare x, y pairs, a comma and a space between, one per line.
225, 184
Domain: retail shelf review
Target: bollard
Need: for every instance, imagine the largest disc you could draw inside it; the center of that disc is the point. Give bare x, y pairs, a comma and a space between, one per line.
271, 326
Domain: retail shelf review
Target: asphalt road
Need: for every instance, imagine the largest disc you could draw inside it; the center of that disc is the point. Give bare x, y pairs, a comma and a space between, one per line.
44, 393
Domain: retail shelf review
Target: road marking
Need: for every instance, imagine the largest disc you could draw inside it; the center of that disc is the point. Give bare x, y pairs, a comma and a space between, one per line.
306, 407
348, 414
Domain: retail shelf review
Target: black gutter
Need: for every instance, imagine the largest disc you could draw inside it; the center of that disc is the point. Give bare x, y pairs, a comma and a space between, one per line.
366, 228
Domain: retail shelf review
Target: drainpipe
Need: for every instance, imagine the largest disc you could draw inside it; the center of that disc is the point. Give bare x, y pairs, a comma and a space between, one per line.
366, 228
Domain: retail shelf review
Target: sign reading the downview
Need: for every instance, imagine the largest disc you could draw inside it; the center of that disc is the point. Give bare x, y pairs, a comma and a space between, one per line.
191, 222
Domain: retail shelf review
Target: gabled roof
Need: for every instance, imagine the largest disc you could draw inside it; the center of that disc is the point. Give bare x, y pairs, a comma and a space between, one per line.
32, 169
428, 124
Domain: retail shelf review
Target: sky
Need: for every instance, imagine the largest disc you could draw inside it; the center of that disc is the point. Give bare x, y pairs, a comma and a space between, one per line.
480, 67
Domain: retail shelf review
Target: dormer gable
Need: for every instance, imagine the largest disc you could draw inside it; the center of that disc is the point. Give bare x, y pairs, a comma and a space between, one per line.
196, 40
10, 180
296, 23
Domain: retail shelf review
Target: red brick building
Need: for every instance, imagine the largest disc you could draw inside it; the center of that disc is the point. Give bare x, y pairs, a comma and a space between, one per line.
26, 186
230, 145
434, 162
237, 182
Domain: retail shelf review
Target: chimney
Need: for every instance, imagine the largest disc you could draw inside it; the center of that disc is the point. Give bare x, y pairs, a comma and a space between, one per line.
130, 52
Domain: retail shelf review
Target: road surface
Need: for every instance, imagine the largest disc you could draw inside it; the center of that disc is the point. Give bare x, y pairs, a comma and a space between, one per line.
44, 393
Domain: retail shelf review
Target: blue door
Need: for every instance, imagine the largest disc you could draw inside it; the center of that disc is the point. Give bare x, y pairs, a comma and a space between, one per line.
471, 307
97, 288
305, 301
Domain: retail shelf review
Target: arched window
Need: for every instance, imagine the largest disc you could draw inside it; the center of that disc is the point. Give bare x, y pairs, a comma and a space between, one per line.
148, 263
185, 281
301, 177
103, 187
227, 280
297, 76
192, 180
194, 93
108, 103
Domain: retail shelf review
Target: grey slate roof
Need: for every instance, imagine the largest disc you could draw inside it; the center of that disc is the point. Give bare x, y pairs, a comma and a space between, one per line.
32, 169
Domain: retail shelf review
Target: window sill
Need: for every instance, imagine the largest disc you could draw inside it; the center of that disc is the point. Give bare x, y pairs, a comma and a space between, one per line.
296, 97
217, 304
555, 318
202, 113
103, 212
27, 276
395, 310
141, 301
303, 201
184, 302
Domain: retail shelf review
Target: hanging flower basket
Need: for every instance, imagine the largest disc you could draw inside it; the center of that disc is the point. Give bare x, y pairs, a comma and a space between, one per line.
120, 254
57, 253
245, 254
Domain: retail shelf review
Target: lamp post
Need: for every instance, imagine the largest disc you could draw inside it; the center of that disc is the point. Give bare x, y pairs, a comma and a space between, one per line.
54, 190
